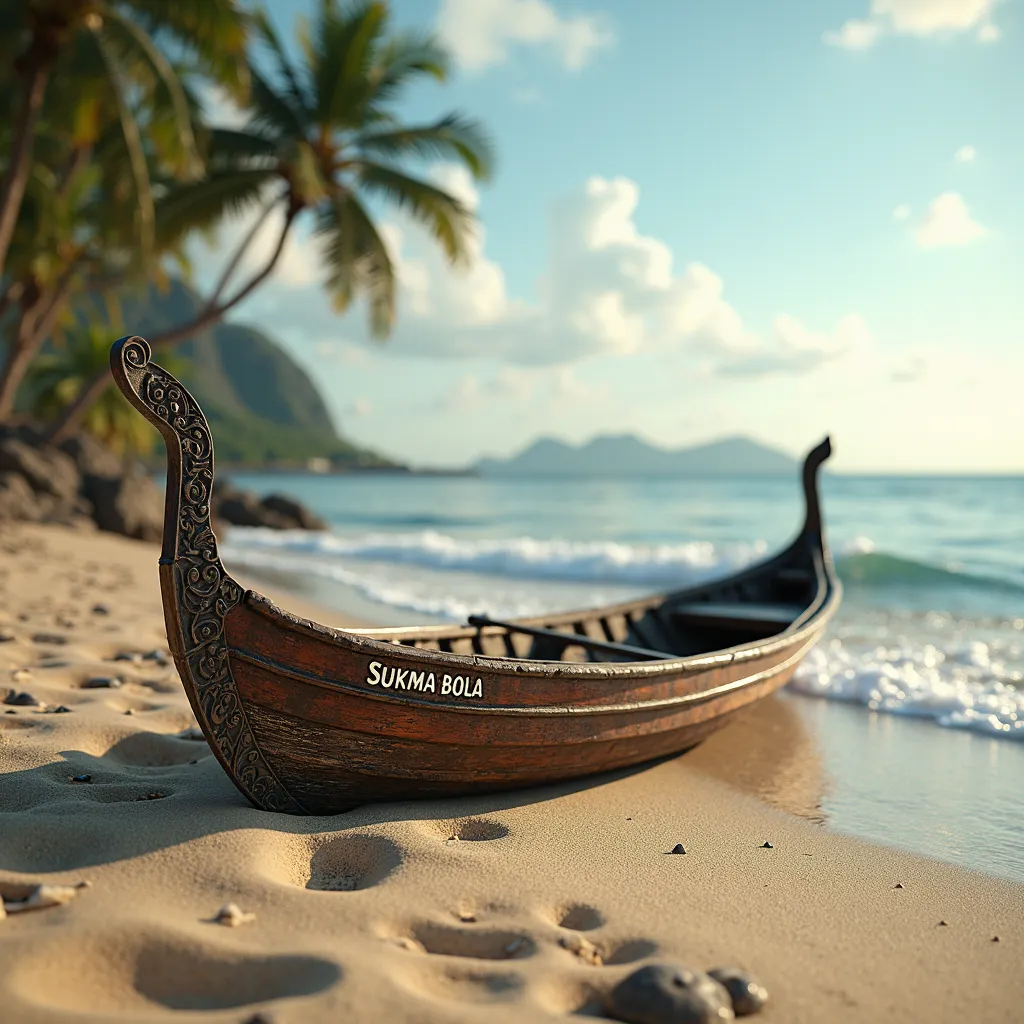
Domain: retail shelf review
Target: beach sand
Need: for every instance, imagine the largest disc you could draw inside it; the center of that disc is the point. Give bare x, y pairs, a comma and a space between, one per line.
522, 907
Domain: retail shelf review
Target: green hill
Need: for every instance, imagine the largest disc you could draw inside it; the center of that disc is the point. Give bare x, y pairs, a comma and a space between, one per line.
262, 406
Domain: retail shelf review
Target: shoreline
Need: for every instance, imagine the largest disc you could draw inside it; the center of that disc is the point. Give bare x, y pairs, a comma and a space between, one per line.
836, 928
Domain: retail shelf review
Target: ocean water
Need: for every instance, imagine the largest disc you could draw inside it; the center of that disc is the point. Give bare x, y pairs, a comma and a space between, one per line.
924, 663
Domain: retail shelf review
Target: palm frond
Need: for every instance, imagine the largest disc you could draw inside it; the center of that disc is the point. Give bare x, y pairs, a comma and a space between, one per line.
453, 135
204, 204
357, 261
216, 31
447, 218
167, 75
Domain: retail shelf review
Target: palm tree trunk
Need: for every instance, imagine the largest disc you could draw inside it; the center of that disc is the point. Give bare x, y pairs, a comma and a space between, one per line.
39, 61
73, 415
34, 327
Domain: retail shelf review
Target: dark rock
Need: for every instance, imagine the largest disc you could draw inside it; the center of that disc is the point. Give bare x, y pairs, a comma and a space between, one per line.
748, 995
60, 709
100, 609
126, 656
898, 885
21, 700
678, 848
92, 457
669, 994
18, 502
285, 506
246, 510
767, 846
5, 637
81, 778
49, 638
160, 657
48, 471
102, 683
131, 505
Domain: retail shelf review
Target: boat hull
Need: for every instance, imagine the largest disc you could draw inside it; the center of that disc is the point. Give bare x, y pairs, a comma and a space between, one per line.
337, 739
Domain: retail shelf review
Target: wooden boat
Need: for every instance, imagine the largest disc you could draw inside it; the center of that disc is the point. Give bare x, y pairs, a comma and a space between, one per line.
312, 720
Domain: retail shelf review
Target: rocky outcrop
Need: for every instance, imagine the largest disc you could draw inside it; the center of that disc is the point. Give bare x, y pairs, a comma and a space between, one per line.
276, 511
84, 483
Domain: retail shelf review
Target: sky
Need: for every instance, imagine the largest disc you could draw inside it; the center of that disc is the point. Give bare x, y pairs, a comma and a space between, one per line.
778, 219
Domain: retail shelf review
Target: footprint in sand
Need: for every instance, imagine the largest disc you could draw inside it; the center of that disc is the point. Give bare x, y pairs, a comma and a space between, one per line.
599, 951
351, 862
123, 973
469, 830
464, 982
472, 943
155, 750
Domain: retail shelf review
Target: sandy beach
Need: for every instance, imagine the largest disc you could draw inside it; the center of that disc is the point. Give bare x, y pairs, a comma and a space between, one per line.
527, 906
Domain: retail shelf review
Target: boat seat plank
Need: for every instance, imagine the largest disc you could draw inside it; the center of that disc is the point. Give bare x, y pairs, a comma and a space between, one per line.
739, 615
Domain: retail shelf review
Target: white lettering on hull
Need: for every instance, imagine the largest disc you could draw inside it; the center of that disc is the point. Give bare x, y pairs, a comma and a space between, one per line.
390, 678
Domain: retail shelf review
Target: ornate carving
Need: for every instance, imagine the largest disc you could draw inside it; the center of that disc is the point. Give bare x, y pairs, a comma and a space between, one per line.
203, 593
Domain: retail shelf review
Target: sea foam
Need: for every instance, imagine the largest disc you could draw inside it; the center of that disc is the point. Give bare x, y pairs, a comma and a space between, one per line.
969, 686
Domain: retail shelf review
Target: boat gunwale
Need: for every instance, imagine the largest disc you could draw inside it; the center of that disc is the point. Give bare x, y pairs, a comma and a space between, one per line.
812, 619
540, 710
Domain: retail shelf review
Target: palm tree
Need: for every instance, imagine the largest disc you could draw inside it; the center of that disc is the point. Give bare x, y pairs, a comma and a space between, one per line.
79, 222
57, 377
118, 37
321, 140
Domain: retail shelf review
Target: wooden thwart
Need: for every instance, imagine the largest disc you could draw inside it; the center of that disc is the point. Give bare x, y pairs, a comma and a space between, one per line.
645, 653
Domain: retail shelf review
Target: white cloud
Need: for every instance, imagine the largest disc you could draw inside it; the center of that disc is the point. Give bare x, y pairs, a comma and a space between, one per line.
219, 109
606, 289
965, 155
947, 222
916, 18
901, 212
481, 32
854, 35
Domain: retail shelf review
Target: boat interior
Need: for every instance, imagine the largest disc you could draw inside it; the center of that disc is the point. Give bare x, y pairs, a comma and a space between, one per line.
754, 605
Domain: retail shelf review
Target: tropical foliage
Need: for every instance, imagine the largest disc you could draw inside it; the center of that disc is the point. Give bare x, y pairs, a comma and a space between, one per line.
110, 168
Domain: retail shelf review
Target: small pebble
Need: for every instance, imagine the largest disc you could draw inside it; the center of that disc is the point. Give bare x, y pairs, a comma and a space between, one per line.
258, 1018
60, 709
21, 675
898, 885
678, 848
995, 938
21, 700
748, 995
129, 711
43, 896
160, 657
81, 778
669, 994
100, 609
232, 916
466, 916
125, 656
767, 846
11, 712
102, 683
942, 924
49, 638
5, 636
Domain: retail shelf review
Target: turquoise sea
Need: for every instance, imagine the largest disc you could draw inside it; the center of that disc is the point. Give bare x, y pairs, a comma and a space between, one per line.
916, 696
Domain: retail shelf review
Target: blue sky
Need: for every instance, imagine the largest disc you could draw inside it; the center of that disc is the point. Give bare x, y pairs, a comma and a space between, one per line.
778, 219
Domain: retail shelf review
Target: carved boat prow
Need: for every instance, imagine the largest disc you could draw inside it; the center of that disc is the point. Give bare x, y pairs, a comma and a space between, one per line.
309, 719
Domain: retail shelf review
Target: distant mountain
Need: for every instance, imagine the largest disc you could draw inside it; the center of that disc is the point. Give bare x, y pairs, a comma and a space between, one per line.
262, 406
625, 455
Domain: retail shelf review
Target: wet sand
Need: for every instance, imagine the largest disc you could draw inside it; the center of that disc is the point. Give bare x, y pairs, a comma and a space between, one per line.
527, 906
